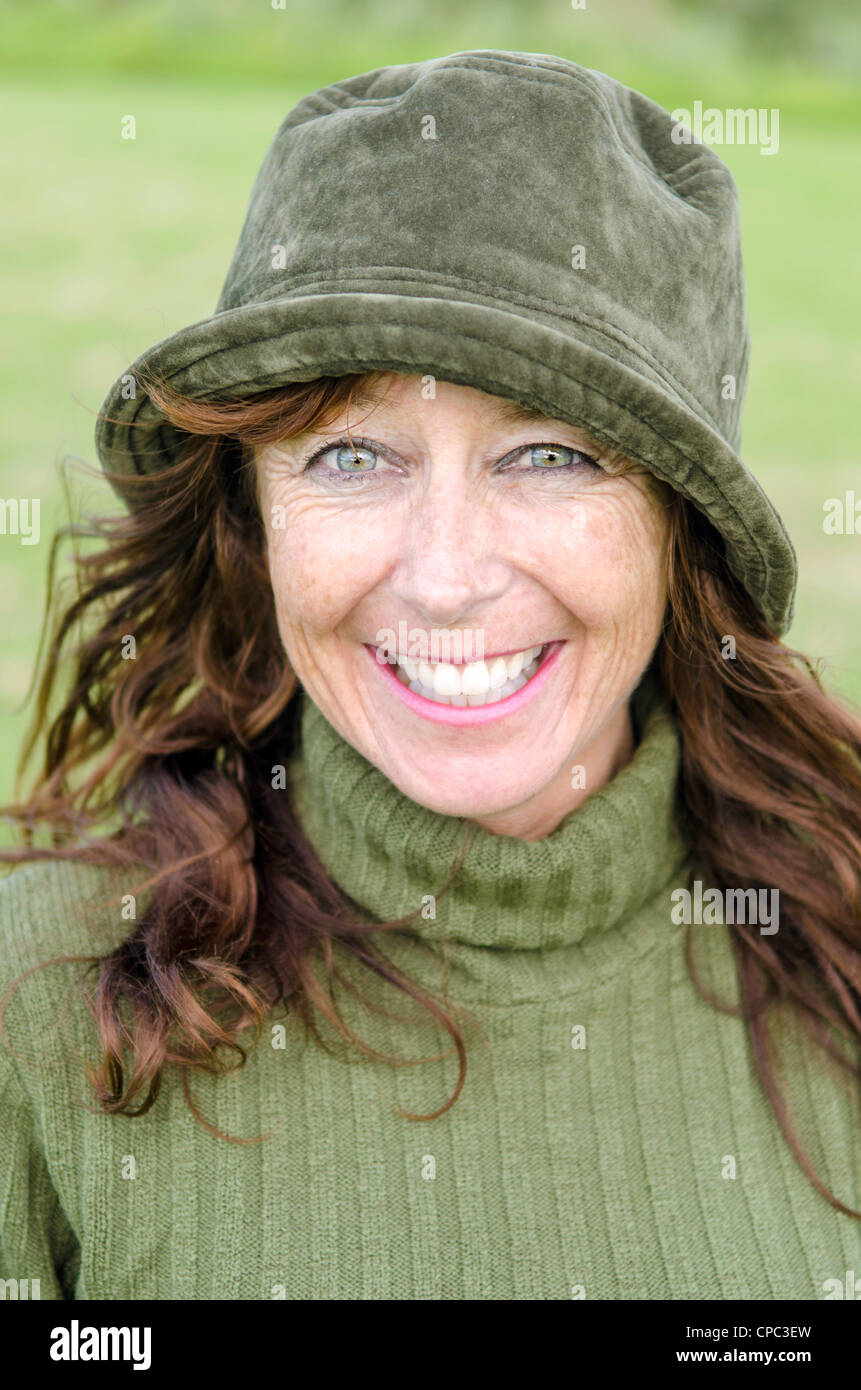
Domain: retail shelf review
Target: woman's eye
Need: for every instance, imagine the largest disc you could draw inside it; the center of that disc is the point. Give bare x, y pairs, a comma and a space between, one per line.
548, 458
343, 461
352, 459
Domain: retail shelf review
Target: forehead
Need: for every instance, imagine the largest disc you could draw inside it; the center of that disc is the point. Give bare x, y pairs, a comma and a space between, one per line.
399, 392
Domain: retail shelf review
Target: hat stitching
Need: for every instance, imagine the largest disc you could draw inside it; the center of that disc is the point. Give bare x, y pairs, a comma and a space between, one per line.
610, 331
686, 177
315, 104
701, 162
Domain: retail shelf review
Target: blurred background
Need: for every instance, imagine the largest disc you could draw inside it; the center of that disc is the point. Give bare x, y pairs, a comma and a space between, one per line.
109, 244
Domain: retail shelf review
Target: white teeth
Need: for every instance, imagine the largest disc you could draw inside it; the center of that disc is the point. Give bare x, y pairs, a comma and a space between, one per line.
446, 681
476, 683
498, 673
475, 679
493, 696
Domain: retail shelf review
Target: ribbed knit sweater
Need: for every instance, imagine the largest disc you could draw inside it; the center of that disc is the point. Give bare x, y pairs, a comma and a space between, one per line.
611, 1141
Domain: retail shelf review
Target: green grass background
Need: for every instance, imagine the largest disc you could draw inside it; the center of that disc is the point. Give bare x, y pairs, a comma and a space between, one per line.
107, 245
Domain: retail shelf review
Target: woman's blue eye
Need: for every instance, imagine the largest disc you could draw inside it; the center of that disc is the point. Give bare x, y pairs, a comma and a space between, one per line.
343, 461
549, 456
358, 459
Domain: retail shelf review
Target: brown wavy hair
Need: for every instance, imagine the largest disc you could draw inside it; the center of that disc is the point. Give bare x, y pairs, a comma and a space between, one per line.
163, 764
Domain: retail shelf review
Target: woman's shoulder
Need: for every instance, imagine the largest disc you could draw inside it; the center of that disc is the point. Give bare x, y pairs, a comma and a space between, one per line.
53, 911
66, 904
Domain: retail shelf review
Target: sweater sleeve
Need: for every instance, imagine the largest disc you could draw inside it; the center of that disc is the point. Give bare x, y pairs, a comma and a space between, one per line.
36, 1240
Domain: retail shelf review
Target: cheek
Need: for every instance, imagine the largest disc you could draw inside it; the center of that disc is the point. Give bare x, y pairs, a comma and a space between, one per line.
321, 564
616, 570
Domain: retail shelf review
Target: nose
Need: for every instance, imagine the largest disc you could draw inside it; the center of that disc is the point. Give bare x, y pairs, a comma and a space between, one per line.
451, 567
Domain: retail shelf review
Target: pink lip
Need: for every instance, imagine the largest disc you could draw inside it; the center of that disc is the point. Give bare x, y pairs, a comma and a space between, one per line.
468, 715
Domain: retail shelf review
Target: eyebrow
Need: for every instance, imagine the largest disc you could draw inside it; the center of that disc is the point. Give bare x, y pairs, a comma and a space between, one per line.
511, 412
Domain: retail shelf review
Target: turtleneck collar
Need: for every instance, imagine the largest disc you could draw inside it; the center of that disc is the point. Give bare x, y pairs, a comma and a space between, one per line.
606, 860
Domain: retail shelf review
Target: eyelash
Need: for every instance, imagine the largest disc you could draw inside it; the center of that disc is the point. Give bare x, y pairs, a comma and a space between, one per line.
580, 457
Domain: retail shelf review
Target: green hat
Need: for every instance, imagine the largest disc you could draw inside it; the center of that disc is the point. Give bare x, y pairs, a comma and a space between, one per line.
508, 221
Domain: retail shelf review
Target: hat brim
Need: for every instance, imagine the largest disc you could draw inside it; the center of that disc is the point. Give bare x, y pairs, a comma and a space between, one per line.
562, 368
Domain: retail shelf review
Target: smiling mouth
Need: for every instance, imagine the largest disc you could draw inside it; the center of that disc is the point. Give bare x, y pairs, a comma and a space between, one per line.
473, 684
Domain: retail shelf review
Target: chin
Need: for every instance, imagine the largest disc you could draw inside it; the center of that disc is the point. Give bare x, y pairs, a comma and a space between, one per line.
440, 792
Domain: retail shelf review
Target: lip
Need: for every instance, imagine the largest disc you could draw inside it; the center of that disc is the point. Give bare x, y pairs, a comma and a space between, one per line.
467, 716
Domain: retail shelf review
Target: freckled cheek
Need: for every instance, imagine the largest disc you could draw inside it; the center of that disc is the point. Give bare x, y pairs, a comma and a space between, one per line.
612, 574
321, 570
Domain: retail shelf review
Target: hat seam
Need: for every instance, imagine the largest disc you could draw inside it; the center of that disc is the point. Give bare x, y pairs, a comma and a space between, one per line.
700, 163
395, 364
427, 278
315, 104
687, 174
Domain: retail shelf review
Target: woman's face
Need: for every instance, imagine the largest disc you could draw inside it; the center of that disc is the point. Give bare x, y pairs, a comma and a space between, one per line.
448, 521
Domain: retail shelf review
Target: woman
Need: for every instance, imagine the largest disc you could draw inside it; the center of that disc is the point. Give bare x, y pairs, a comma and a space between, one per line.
468, 875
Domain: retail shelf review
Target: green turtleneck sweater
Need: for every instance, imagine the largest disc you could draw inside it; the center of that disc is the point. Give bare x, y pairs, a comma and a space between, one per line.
611, 1141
